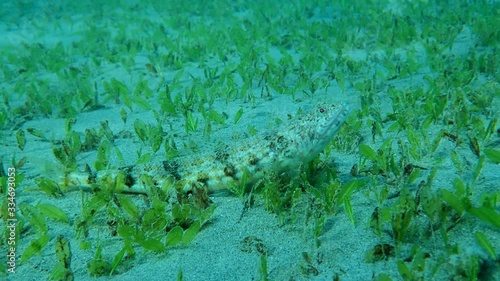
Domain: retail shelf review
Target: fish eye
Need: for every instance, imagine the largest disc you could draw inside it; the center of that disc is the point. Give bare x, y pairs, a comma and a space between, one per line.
322, 110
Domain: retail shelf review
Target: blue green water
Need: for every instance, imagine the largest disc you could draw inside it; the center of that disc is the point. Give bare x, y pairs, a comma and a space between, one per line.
406, 190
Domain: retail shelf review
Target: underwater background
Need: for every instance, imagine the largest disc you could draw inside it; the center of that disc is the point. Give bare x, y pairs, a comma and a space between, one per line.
408, 189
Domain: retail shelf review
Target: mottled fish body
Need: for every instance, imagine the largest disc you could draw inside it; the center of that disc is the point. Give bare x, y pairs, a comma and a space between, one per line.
280, 151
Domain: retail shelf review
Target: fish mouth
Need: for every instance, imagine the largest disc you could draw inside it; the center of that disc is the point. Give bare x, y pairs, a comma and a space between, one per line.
336, 122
